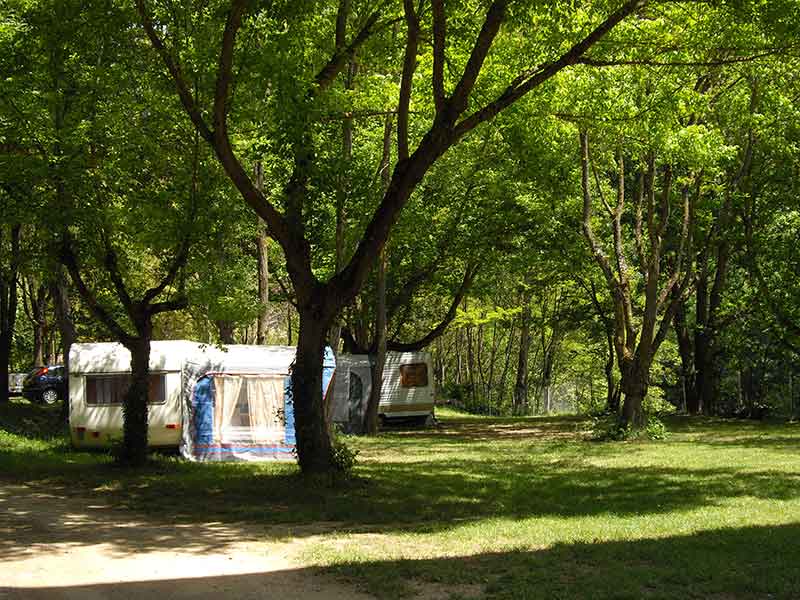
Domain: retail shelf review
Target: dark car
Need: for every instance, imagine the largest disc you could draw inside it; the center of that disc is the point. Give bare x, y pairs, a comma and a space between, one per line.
45, 384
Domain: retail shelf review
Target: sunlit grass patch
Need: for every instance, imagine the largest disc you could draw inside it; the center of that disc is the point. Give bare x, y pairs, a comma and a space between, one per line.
512, 508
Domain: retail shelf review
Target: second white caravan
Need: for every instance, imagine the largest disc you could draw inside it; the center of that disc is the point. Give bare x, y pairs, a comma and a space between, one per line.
407, 393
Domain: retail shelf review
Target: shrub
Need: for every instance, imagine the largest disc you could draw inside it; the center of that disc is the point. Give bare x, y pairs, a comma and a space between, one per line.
344, 457
605, 430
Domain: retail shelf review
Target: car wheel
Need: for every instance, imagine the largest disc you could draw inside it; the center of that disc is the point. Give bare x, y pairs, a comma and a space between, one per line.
50, 396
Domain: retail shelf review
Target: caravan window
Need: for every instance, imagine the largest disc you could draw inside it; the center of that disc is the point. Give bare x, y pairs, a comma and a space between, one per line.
414, 375
248, 408
109, 390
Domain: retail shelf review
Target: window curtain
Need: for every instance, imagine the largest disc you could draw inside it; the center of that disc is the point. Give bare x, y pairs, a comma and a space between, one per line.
226, 393
265, 403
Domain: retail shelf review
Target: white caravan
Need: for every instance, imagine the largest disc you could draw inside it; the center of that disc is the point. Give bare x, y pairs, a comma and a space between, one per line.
230, 403
407, 391
99, 376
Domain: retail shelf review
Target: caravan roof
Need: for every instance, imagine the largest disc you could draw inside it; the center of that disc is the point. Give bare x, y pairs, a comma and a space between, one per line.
113, 357
172, 355
239, 358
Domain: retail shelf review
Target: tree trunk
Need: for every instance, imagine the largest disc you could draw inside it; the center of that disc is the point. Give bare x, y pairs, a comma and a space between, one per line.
8, 308
634, 390
371, 414
5, 360
612, 389
289, 324
506, 364
548, 360
65, 323
35, 296
313, 434
262, 251
226, 330
134, 405
686, 352
38, 345
521, 386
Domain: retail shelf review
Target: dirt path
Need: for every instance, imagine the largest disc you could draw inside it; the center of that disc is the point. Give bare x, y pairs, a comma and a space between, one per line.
57, 546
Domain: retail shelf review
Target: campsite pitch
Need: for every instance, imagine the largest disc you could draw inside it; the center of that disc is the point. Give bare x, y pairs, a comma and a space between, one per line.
59, 545
476, 508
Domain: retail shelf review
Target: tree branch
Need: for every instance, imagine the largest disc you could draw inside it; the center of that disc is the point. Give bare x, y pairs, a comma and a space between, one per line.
69, 260
587, 60
178, 262
170, 305
409, 66
437, 331
185, 95
110, 262
343, 55
439, 36
491, 26
522, 86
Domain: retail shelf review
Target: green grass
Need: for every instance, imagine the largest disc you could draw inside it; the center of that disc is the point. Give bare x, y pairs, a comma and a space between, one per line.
501, 508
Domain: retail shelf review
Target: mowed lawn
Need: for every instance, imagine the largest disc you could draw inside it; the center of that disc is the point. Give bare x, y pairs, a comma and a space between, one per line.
489, 507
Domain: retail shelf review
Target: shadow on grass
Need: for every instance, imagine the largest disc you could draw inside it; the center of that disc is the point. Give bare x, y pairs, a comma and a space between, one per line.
728, 564
493, 429
742, 563
413, 481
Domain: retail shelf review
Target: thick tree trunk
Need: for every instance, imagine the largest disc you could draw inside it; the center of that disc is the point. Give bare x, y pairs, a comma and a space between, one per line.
547, 397
134, 405
634, 390
313, 433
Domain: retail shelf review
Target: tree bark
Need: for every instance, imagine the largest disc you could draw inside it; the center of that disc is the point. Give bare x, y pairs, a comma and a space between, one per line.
262, 256
35, 299
521, 386
685, 349
380, 338
226, 330
612, 389
314, 449
8, 305
634, 388
133, 451
371, 414
134, 405
638, 338
65, 323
